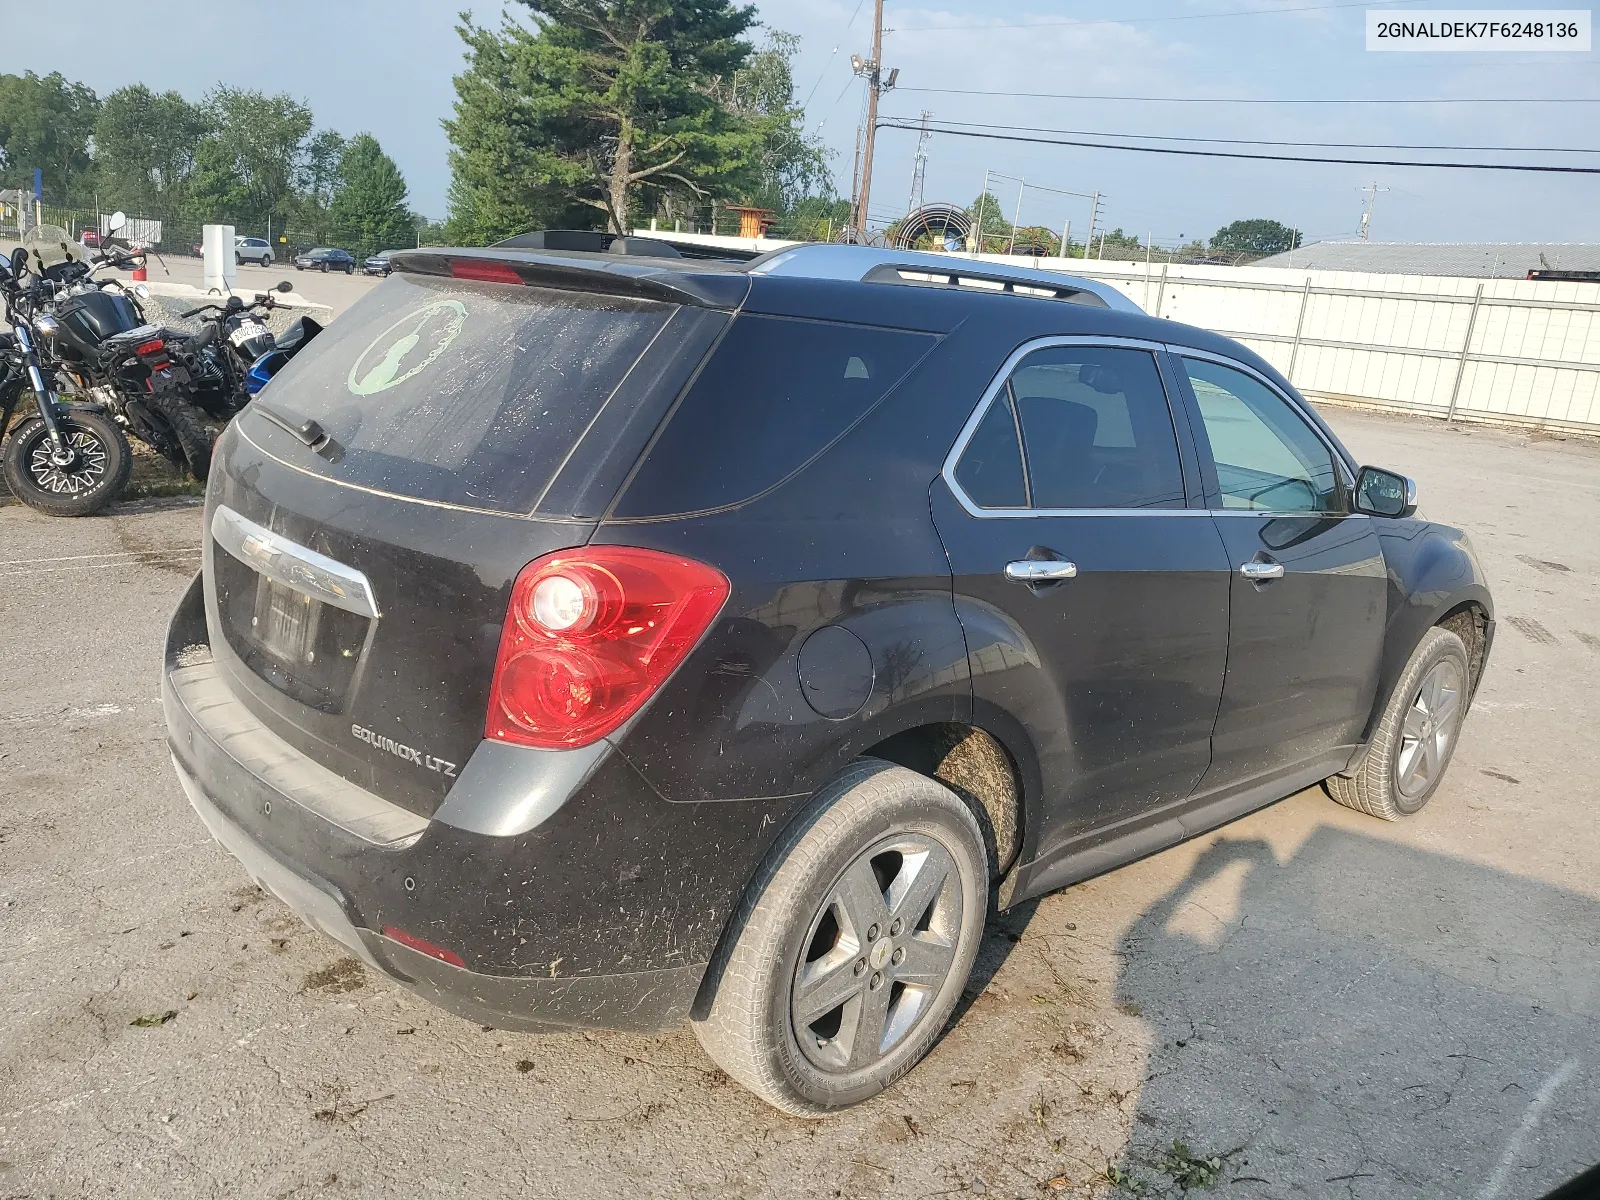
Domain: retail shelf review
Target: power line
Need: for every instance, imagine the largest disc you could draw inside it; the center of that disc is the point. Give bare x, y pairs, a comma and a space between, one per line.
1247, 12
831, 53
1161, 137
1360, 162
1257, 100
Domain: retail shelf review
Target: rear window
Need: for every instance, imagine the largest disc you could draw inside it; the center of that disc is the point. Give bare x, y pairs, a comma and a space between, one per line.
775, 394
467, 393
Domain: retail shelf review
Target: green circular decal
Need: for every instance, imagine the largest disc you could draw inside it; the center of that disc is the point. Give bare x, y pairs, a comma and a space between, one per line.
407, 347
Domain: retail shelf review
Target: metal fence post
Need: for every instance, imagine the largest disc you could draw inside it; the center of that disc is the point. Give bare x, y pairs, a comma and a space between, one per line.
1161, 288
1466, 346
1299, 324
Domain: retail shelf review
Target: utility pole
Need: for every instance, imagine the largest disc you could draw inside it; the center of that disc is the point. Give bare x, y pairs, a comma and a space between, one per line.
1016, 216
919, 164
1366, 214
1094, 215
877, 84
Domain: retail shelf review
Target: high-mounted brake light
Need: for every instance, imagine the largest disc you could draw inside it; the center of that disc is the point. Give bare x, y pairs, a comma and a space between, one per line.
153, 346
483, 270
590, 634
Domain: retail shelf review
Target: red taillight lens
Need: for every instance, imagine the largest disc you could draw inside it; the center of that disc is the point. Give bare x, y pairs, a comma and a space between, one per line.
154, 346
484, 271
395, 934
590, 634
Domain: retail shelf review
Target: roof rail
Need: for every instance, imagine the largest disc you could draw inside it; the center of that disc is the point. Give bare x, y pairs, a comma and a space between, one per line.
917, 268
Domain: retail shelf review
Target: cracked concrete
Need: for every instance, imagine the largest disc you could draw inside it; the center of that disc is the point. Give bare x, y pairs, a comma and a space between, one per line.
1333, 1006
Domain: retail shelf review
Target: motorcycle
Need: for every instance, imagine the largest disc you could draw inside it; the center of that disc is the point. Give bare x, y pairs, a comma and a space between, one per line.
106, 352
70, 459
222, 359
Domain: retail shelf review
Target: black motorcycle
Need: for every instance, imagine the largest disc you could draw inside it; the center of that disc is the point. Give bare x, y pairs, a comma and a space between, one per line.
69, 459
106, 352
234, 340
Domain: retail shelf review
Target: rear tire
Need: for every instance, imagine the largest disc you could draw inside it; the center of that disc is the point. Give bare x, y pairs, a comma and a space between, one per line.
105, 465
1417, 735
185, 427
864, 920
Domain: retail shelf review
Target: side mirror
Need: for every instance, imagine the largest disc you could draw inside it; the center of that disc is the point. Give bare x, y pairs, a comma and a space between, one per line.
141, 291
117, 221
1385, 493
285, 287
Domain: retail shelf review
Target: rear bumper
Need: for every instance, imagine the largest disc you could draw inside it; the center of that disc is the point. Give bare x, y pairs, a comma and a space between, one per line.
644, 1000
543, 919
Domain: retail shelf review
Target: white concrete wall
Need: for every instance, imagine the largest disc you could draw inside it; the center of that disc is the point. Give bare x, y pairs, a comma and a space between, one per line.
1388, 341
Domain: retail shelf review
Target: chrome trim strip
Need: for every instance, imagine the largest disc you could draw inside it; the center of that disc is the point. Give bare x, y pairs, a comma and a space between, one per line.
948, 471
293, 565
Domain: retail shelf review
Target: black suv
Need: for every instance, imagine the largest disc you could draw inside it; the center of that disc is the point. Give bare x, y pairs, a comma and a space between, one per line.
613, 640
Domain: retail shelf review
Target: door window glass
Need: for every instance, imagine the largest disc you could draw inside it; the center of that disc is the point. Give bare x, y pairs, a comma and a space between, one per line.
990, 470
1267, 457
1096, 429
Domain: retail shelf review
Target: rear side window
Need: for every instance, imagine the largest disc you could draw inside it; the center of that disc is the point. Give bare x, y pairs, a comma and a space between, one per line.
467, 393
1096, 433
776, 392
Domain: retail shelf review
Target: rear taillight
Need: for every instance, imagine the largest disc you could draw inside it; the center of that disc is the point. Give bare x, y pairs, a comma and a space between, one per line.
154, 346
590, 634
483, 270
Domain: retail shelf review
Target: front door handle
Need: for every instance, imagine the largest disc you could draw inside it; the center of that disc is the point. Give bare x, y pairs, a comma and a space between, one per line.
1031, 570
1257, 571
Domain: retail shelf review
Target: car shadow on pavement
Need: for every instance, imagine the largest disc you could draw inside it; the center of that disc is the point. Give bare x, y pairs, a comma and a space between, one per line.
1363, 1019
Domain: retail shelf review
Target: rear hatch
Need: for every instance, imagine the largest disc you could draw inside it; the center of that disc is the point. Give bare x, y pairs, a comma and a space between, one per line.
356, 586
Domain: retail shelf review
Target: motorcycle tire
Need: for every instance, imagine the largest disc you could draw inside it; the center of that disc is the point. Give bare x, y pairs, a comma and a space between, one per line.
96, 479
185, 429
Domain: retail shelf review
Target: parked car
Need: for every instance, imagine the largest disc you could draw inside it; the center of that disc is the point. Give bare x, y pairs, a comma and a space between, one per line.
90, 238
324, 259
596, 640
252, 249
377, 264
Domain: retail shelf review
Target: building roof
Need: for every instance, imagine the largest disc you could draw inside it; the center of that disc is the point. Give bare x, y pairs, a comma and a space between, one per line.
1484, 260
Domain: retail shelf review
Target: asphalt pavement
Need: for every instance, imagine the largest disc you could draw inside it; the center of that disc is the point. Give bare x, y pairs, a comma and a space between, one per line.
1308, 1002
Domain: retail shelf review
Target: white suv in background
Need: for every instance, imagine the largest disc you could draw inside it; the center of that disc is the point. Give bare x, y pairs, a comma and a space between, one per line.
249, 249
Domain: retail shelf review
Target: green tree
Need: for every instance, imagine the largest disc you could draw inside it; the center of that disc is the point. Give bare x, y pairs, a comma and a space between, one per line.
46, 122
600, 99
1257, 236
245, 169
789, 166
144, 146
988, 223
368, 212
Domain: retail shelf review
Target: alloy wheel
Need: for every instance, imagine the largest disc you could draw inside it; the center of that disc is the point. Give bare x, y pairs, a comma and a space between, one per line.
83, 473
877, 953
1429, 729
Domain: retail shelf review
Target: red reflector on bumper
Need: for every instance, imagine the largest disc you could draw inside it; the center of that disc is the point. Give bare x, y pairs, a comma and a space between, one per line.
410, 940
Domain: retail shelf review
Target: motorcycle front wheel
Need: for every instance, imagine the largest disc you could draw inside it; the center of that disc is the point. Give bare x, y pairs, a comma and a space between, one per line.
95, 476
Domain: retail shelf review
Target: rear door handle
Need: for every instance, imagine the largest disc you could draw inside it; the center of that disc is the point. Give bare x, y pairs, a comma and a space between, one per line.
1259, 572
1030, 570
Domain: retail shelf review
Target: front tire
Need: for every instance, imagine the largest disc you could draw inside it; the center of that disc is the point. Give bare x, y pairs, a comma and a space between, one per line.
1417, 735
852, 945
97, 476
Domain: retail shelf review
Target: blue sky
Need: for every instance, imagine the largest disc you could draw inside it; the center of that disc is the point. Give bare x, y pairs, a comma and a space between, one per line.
386, 68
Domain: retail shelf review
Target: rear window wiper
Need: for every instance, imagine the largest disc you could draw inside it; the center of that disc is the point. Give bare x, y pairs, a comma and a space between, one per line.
305, 430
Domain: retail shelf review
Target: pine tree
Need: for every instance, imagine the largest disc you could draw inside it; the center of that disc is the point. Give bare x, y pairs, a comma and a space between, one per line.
368, 212
598, 101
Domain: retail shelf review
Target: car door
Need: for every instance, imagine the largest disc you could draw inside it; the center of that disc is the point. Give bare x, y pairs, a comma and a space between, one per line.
1091, 583
1309, 589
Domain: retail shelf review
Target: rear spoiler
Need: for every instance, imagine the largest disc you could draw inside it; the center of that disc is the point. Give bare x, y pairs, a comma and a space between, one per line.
704, 285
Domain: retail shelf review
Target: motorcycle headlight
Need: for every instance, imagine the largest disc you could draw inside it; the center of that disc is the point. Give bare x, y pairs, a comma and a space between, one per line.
46, 326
